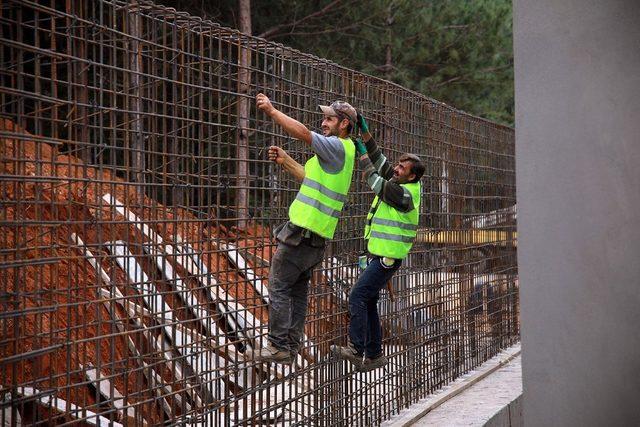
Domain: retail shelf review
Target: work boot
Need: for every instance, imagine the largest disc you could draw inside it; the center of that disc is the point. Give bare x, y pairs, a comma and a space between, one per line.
270, 353
370, 364
348, 353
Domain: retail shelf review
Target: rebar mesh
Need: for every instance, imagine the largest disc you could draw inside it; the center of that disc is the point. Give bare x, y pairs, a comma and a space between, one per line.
137, 204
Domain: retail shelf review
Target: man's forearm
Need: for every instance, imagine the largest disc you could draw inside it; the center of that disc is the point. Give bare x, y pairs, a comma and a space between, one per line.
379, 161
291, 126
294, 168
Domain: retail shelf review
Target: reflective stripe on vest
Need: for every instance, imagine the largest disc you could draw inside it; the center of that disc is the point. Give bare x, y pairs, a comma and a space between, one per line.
318, 205
341, 198
390, 233
322, 195
390, 223
394, 237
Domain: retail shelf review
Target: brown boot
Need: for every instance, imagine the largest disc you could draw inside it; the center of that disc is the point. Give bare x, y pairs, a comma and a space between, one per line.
270, 353
370, 364
348, 353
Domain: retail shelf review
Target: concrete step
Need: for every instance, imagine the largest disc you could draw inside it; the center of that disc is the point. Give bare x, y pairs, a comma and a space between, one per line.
490, 395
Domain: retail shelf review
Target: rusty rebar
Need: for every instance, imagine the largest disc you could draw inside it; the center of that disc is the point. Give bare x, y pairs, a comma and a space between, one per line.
135, 235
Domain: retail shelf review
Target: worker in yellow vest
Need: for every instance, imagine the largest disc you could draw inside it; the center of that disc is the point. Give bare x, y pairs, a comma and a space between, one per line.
313, 217
391, 227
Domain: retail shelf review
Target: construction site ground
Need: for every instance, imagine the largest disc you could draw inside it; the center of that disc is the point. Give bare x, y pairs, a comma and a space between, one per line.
488, 396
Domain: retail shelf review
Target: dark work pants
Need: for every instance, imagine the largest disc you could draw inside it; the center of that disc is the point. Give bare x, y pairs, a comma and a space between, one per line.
365, 331
291, 268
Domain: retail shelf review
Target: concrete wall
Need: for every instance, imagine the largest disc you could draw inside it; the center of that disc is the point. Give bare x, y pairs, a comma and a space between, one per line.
509, 416
578, 176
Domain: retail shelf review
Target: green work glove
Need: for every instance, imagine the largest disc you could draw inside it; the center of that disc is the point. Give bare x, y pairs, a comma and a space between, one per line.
360, 148
362, 123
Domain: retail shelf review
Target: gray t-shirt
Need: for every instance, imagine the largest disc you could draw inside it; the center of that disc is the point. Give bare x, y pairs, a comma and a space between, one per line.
330, 152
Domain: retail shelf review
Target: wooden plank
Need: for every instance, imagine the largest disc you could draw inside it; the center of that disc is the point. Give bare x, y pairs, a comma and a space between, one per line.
112, 292
164, 315
138, 311
243, 268
195, 266
110, 393
236, 313
187, 297
468, 237
61, 405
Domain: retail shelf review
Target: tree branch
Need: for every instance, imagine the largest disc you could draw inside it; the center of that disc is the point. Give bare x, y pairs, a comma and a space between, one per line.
313, 33
454, 27
485, 70
273, 30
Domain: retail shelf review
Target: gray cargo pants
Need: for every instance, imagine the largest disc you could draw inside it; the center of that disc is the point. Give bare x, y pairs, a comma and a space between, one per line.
291, 268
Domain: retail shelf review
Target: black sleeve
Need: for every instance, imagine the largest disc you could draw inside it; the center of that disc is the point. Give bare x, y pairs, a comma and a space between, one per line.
378, 159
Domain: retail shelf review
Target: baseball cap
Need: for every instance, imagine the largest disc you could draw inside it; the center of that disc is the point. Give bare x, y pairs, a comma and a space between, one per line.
342, 110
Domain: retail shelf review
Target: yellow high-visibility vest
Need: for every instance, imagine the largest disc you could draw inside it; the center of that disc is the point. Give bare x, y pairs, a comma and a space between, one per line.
390, 233
321, 197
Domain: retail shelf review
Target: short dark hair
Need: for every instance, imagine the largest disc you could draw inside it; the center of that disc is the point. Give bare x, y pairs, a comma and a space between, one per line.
341, 116
417, 168
350, 128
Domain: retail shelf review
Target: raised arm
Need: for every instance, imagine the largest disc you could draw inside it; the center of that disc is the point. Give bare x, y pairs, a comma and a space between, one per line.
378, 172
378, 159
290, 125
279, 156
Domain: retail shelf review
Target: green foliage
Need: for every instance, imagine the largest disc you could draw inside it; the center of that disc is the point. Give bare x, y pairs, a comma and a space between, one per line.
456, 51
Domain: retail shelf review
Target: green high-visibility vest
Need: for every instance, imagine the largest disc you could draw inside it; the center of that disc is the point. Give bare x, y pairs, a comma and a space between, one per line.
321, 197
390, 233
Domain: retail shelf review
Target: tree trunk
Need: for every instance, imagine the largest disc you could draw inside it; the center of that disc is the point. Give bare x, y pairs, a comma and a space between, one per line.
135, 100
242, 138
388, 63
79, 126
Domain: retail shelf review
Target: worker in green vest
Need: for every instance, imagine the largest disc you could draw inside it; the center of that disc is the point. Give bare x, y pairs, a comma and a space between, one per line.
313, 217
391, 227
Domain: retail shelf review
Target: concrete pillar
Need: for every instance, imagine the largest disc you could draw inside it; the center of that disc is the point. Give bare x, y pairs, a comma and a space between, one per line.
577, 74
